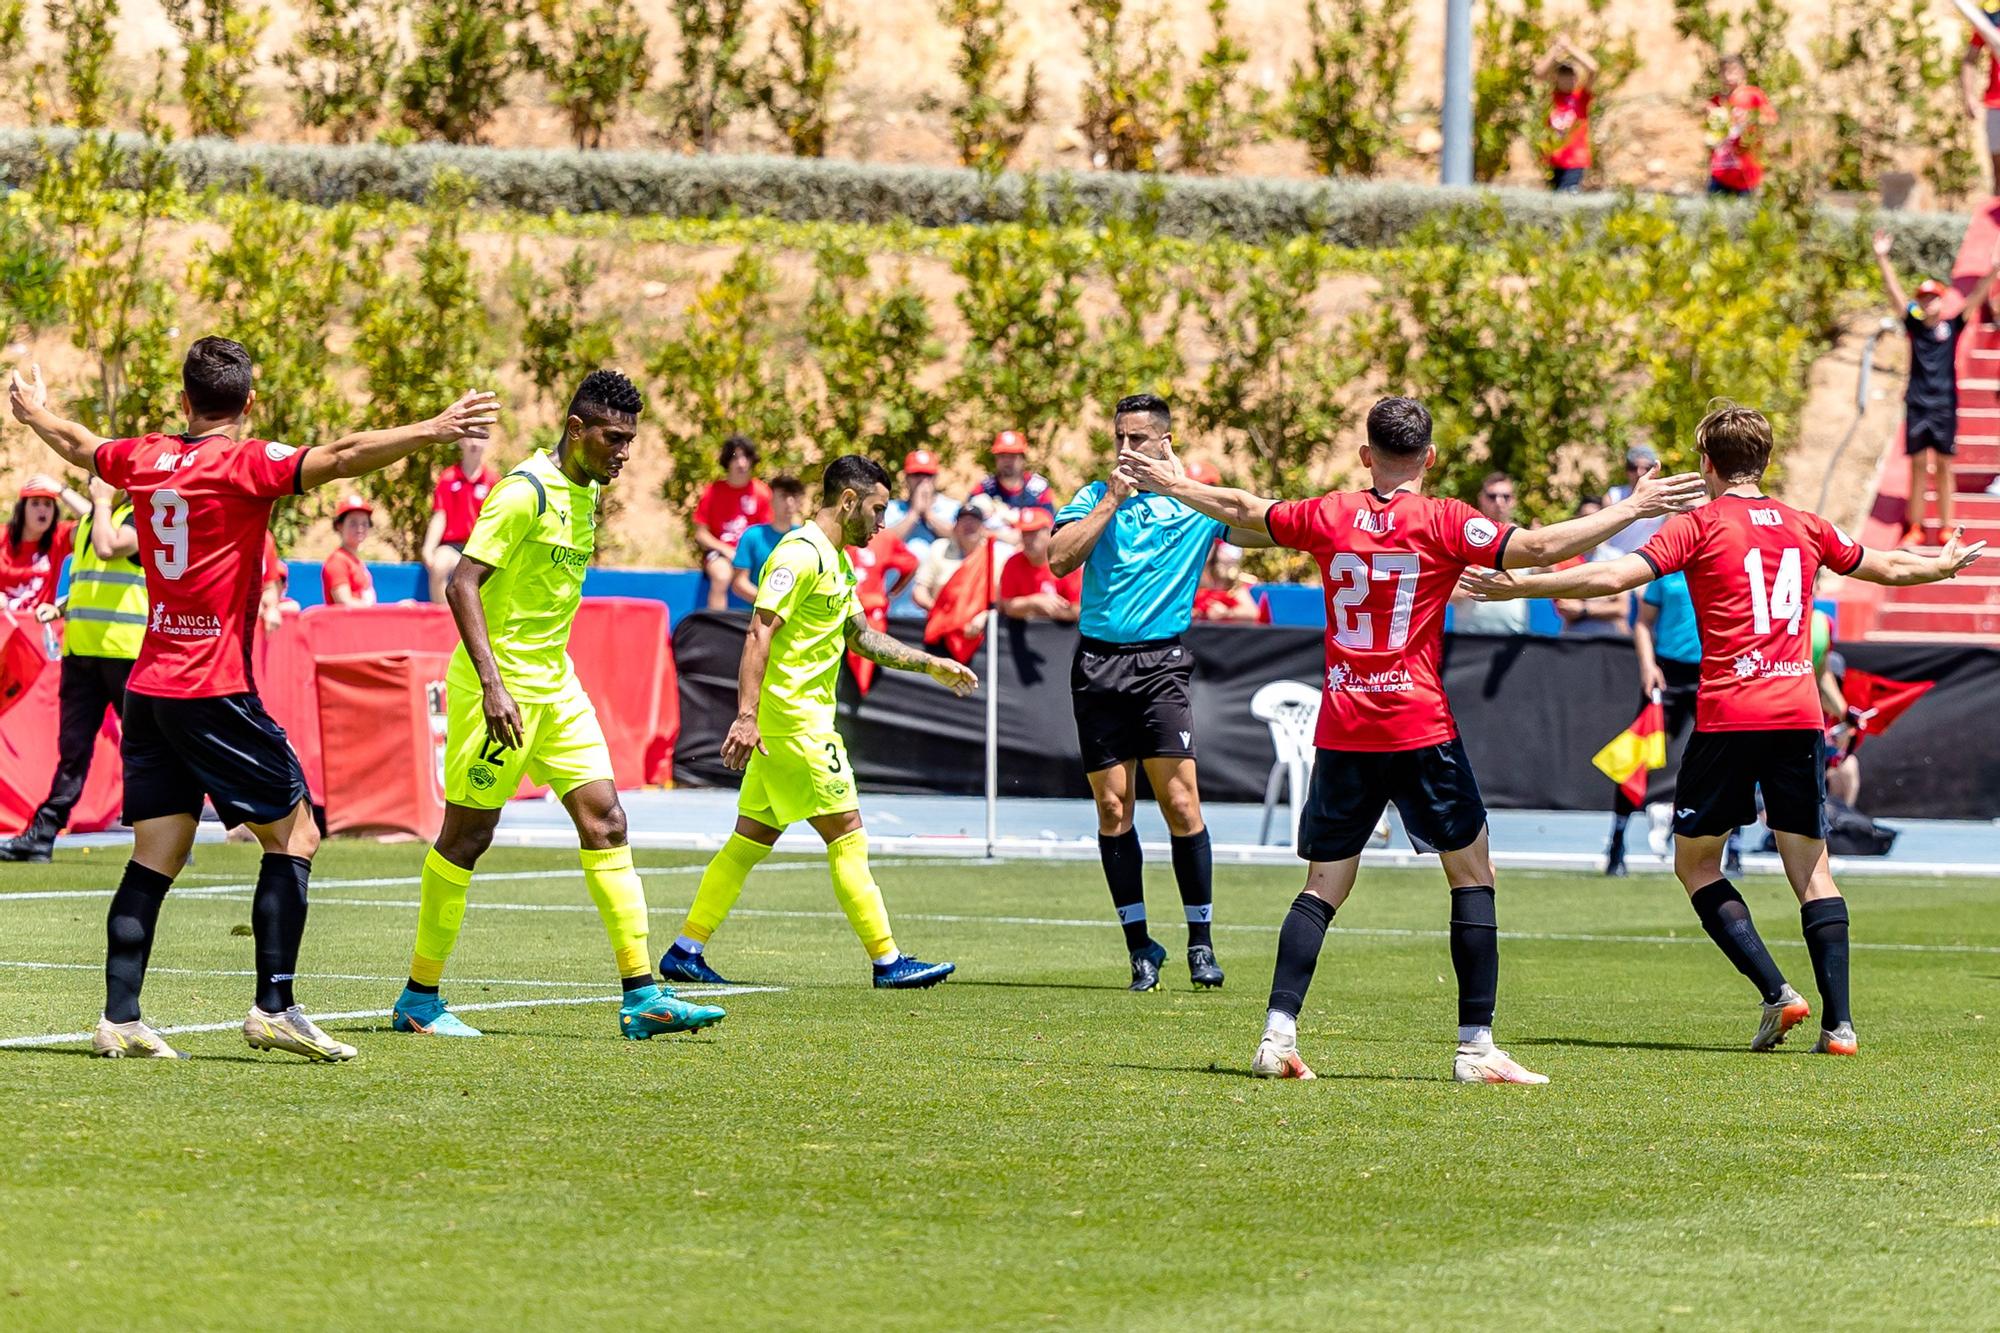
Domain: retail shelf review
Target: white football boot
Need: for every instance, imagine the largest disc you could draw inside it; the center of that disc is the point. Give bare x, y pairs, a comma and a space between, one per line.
292, 1031
1790, 1010
130, 1041
1278, 1057
1487, 1063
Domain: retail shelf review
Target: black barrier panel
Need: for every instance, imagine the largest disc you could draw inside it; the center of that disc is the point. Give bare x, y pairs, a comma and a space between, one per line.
1532, 712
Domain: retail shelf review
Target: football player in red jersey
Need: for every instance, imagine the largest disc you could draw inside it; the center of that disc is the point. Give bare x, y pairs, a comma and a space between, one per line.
1389, 557
194, 726
1750, 563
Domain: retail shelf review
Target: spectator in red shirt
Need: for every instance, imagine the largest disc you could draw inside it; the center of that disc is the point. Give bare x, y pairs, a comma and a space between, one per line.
1223, 594
1983, 104
455, 504
1014, 488
344, 578
886, 565
728, 507
36, 544
1737, 119
1029, 589
1569, 71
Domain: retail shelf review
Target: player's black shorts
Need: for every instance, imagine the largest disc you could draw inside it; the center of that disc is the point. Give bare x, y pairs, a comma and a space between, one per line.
1722, 770
1131, 701
228, 749
1433, 789
1936, 430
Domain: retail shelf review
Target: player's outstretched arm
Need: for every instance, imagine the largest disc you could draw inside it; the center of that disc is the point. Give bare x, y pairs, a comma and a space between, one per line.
1904, 568
470, 418
461, 594
1600, 578
1166, 476
1653, 496
884, 650
28, 399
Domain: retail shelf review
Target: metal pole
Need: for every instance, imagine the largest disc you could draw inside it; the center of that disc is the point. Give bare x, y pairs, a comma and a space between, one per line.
1456, 159
992, 707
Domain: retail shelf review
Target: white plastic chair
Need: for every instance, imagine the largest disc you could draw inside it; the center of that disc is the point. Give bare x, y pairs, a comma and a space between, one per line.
1291, 710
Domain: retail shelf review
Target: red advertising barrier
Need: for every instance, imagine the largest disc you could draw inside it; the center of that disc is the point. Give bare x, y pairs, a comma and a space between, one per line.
381, 723
621, 646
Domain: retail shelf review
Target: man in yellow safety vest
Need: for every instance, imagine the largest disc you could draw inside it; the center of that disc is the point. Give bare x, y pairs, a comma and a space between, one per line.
106, 621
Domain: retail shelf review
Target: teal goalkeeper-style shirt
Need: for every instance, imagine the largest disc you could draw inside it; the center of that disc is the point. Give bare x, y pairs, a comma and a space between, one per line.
1676, 637
1140, 580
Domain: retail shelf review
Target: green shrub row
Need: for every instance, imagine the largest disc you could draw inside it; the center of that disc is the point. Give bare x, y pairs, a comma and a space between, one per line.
1361, 215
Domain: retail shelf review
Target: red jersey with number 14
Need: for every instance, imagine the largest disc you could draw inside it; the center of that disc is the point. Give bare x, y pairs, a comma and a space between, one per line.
1750, 564
1388, 565
203, 506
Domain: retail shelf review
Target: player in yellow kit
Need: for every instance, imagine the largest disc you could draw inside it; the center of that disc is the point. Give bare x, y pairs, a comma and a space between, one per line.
794, 765
515, 708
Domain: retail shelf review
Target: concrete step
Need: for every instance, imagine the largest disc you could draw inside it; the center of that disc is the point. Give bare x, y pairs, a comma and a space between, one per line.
1898, 618
1956, 639
1967, 590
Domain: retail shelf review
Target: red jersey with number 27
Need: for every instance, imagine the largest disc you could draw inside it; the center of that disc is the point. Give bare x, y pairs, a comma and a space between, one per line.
203, 506
1750, 564
1388, 565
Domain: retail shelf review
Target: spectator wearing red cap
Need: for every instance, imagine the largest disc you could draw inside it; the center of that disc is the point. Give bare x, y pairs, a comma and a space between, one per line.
729, 507
1012, 488
923, 514
460, 494
344, 578
1029, 589
37, 543
1933, 322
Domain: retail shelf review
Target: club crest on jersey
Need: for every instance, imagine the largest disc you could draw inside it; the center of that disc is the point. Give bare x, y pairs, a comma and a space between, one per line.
1381, 524
1344, 679
1766, 518
1753, 665
1479, 531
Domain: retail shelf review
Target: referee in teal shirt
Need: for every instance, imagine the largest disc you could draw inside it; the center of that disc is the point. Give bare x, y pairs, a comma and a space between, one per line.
1142, 557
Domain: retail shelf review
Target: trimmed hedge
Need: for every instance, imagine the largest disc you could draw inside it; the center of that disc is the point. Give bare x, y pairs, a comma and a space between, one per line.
1362, 215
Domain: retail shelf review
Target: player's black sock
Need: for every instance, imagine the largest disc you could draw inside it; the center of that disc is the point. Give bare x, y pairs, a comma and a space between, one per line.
1125, 872
128, 938
1299, 940
1475, 953
1194, 872
1824, 921
419, 988
278, 920
630, 984
1726, 918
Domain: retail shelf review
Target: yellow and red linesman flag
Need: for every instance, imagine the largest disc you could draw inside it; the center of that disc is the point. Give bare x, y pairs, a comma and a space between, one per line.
1635, 751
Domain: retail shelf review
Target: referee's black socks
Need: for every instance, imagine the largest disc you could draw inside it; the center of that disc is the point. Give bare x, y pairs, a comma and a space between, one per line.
278, 919
128, 938
1194, 872
1125, 872
1824, 921
1726, 918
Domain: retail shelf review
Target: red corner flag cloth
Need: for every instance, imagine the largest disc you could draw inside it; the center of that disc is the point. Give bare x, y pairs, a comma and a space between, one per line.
21, 657
966, 595
1875, 702
1634, 751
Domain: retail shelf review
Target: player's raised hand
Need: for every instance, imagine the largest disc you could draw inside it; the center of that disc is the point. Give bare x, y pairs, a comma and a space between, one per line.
503, 717
27, 393
953, 675
1490, 585
1884, 242
742, 741
1954, 559
1150, 472
1654, 495
470, 418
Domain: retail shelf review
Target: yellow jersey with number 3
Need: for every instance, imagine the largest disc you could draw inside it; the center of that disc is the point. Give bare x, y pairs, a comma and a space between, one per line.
538, 530
809, 584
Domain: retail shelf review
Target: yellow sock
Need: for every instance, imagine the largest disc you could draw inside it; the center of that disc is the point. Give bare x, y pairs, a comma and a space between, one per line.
847, 857
621, 902
720, 885
440, 913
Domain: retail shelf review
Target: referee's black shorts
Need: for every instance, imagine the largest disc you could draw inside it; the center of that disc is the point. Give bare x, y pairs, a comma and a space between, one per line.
1432, 787
1131, 701
227, 749
1716, 793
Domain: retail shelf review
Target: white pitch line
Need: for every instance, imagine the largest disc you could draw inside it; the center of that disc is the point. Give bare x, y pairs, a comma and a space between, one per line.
303, 976
66, 1038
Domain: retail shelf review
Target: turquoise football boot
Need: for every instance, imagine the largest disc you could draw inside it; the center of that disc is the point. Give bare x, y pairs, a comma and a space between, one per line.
427, 1014
651, 1011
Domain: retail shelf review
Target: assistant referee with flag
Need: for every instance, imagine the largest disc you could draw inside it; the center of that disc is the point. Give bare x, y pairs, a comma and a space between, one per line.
1142, 557
106, 614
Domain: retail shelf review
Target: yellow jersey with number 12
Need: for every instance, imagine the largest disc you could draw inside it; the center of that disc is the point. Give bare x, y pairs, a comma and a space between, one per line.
809, 583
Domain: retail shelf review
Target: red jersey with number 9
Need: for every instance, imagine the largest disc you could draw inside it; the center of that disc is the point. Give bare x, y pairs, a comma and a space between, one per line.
1750, 563
1389, 565
203, 506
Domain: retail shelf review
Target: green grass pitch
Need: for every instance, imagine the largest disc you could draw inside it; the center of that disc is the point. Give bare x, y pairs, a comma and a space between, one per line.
1028, 1146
